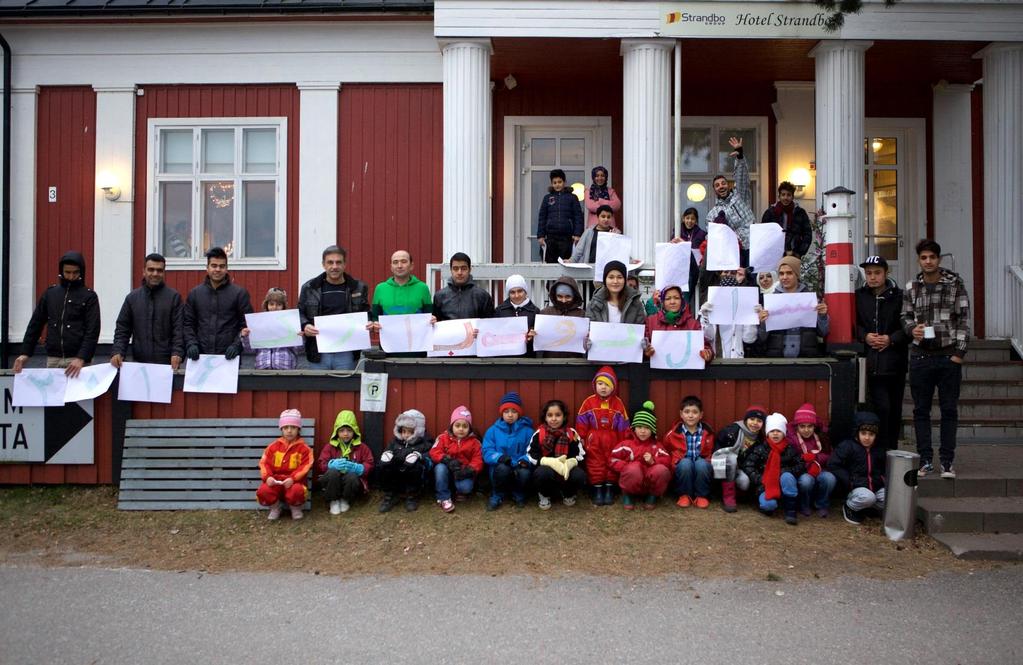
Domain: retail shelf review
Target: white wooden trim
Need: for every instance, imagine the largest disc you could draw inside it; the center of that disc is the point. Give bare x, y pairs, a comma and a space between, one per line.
317, 164
24, 290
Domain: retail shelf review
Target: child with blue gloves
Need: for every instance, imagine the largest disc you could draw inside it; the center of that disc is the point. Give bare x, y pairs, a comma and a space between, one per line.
344, 464
504, 452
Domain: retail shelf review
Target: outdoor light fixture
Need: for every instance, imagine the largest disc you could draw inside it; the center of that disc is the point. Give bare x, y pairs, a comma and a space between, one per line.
579, 190
696, 192
510, 82
108, 183
876, 145
800, 178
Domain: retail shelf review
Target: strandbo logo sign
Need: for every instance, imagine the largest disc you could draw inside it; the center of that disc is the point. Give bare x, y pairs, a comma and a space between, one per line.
735, 19
687, 17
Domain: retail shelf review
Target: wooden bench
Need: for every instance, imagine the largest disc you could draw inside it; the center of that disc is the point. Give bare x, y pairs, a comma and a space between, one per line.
195, 463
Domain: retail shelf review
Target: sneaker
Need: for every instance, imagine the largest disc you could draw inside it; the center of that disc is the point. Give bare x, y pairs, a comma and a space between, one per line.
275, 512
805, 512
948, 471
411, 504
447, 505
493, 504
386, 505
296, 512
925, 468
568, 501
544, 502
684, 501
345, 506
650, 503
461, 498
702, 502
335, 507
822, 513
852, 516
627, 502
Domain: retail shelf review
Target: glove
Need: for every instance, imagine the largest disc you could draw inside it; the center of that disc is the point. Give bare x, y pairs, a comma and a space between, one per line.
706, 308
192, 352
809, 457
386, 456
356, 468
569, 465
453, 465
465, 472
555, 464
233, 351
644, 343
813, 468
412, 458
337, 464
505, 459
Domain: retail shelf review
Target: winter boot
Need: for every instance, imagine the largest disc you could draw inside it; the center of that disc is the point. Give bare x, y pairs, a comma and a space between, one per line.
609, 494
728, 496
789, 505
598, 495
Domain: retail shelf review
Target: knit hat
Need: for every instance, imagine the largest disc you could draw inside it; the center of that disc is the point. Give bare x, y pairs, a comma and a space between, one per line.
776, 421
606, 375
755, 411
805, 415
413, 419
461, 412
563, 290
644, 417
791, 262
867, 420
510, 400
516, 282
290, 417
615, 265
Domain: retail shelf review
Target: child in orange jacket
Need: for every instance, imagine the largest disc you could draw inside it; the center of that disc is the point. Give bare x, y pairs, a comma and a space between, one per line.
643, 465
458, 457
602, 422
283, 468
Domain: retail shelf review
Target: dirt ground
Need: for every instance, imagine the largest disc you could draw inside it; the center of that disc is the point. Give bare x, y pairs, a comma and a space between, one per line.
63, 526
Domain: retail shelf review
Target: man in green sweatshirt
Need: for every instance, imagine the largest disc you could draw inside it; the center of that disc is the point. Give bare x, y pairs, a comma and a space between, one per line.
402, 293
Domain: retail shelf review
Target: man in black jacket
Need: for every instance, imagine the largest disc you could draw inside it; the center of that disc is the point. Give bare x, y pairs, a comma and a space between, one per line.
332, 292
70, 312
215, 311
462, 298
793, 220
879, 329
151, 319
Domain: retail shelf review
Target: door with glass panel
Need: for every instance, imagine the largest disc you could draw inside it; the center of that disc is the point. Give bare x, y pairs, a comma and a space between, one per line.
884, 205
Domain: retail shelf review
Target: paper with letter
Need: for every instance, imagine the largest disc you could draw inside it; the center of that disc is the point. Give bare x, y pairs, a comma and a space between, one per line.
722, 247
91, 382
502, 337
672, 264
565, 334
734, 304
611, 247
616, 342
406, 333
146, 382
790, 310
271, 330
677, 349
211, 373
342, 332
39, 387
454, 338
766, 246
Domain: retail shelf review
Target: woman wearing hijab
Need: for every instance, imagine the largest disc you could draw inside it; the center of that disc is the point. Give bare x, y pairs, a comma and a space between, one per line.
674, 315
518, 303
600, 195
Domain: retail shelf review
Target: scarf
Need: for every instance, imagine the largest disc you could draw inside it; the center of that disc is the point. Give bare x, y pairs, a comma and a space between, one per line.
772, 470
802, 443
728, 280
784, 212
554, 442
598, 192
671, 317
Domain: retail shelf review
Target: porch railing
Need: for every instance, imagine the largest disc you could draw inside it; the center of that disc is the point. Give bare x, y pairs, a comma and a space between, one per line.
1016, 302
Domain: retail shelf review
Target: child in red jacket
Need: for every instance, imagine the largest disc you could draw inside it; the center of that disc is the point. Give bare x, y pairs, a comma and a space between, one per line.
602, 422
283, 468
644, 467
458, 457
691, 443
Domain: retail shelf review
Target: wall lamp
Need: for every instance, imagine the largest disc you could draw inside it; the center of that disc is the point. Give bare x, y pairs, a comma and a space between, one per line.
108, 183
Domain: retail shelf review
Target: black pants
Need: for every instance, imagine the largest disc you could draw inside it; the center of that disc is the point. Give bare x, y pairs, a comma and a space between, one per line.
925, 374
397, 477
337, 485
506, 478
550, 483
557, 247
884, 393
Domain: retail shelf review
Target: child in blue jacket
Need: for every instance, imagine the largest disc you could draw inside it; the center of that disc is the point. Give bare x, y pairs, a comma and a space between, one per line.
504, 451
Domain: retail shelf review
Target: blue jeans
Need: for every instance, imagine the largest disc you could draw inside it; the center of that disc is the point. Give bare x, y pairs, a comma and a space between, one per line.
692, 479
505, 478
442, 483
788, 488
925, 374
816, 489
343, 360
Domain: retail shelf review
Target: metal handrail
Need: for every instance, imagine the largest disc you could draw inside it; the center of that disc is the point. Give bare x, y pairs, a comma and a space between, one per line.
1016, 303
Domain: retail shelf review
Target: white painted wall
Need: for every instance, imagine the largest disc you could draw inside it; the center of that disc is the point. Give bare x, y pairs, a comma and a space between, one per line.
794, 136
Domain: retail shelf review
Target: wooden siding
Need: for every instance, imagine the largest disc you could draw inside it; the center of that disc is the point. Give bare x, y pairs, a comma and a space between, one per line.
390, 191
220, 101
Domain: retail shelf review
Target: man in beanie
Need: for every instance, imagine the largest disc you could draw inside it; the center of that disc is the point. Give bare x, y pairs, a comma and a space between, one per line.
504, 452
772, 466
643, 465
283, 468
730, 448
794, 342
859, 466
405, 461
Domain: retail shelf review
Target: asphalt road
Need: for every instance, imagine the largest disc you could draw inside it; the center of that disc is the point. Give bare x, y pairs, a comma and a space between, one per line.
88, 615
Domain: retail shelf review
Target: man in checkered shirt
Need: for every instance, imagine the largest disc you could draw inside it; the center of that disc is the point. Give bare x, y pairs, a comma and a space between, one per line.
936, 314
733, 205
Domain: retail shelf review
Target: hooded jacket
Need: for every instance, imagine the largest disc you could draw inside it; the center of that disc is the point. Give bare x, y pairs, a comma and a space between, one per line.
632, 306
310, 298
152, 320
503, 439
882, 315
560, 215
214, 316
575, 308
420, 442
70, 313
284, 460
354, 450
462, 301
798, 235
736, 439
856, 466
598, 413
583, 251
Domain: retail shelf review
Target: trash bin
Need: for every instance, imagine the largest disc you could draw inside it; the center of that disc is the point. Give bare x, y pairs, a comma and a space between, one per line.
900, 494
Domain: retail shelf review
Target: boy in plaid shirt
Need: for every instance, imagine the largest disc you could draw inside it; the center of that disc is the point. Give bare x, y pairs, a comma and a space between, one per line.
936, 314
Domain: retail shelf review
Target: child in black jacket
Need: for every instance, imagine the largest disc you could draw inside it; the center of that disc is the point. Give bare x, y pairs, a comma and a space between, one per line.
773, 466
405, 461
859, 465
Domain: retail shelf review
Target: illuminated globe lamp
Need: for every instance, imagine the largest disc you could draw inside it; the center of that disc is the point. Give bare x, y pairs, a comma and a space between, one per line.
579, 190
800, 178
696, 192
839, 275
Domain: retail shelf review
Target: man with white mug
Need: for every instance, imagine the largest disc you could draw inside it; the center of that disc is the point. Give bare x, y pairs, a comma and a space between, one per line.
936, 314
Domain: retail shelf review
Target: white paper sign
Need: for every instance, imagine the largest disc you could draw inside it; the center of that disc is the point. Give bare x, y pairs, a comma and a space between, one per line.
502, 337
406, 333
271, 330
616, 342
211, 373
146, 382
91, 382
565, 334
342, 332
611, 247
734, 304
766, 246
790, 310
672, 263
677, 349
454, 338
373, 393
39, 387
722, 247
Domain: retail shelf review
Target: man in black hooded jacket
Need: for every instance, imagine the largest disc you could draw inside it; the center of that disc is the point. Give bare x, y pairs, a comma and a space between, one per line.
70, 312
151, 319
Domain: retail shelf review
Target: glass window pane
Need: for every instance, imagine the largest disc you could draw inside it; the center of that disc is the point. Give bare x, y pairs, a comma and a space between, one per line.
886, 213
218, 151
573, 152
260, 212
176, 151
176, 219
543, 152
260, 150
749, 149
885, 150
218, 215
696, 150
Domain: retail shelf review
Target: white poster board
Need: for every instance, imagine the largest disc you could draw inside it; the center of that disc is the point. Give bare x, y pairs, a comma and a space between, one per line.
39, 387
616, 342
272, 330
766, 246
611, 247
453, 338
91, 382
146, 382
406, 333
564, 334
212, 373
734, 305
722, 247
677, 349
342, 332
790, 310
672, 263
502, 337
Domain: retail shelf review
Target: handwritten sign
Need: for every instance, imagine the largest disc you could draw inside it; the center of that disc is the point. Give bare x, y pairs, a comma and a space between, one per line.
406, 333
790, 310
91, 382
146, 382
766, 246
734, 304
342, 332
616, 342
39, 387
454, 338
677, 349
502, 337
211, 373
722, 247
271, 330
565, 334
672, 262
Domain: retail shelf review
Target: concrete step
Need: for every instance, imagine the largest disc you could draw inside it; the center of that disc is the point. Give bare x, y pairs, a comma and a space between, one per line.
975, 430
989, 354
1003, 388
1002, 514
988, 546
986, 370
981, 470
1004, 408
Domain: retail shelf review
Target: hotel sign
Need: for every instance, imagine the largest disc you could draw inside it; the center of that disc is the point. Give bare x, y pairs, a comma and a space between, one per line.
746, 20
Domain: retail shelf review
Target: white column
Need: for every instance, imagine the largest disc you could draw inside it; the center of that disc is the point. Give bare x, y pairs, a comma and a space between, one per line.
24, 109
115, 143
839, 97
647, 141
1003, 180
953, 176
317, 166
467, 129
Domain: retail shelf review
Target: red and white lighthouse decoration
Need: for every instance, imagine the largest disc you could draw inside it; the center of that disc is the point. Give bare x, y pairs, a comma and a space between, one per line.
839, 278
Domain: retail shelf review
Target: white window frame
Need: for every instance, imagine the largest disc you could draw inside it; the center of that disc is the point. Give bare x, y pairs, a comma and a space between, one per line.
196, 177
761, 189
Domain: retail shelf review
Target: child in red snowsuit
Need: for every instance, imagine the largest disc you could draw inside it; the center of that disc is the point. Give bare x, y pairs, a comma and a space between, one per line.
643, 464
602, 422
283, 468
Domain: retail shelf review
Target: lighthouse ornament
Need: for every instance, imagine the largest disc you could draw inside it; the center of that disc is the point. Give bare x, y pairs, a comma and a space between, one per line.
839, 278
